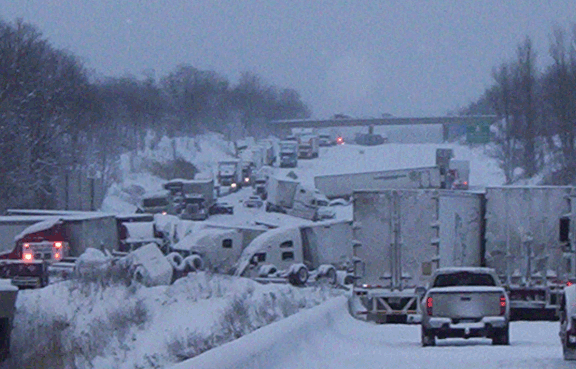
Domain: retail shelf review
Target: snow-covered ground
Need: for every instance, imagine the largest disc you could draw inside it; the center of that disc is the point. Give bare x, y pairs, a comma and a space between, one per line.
328, 337
106, 325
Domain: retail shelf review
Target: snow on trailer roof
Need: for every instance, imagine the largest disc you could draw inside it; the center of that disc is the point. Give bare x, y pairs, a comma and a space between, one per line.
67, 214
14, 219
38, 227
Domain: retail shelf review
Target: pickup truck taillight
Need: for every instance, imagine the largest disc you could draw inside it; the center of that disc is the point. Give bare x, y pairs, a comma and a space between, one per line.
429, 304
502, 305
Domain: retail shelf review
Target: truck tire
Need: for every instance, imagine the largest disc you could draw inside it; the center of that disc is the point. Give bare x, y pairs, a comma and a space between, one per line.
194, 263
501, 337
140, 275
328, 274
298, 275
428, 338
176, 261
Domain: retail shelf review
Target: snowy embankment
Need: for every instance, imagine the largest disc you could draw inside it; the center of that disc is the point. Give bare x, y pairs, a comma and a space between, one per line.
272, 344
108, 325
327, 336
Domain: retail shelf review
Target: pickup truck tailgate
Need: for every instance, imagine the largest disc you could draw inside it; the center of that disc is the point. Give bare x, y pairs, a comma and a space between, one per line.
466, 302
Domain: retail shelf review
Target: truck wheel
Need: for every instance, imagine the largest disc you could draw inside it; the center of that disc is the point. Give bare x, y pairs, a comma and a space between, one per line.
331, 276
501, 337
140, 275
176, 261
194, 263
298, 275
428, 338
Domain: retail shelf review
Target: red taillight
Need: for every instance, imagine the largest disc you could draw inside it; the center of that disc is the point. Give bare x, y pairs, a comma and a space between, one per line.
429, 305
465, 183
339, 140
26, 245
57, 256
27, 256
568, 284
502, 305
58, 245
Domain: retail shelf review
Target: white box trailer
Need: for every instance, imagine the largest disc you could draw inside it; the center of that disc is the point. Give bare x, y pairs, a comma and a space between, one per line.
400, 237
288, 196
523, 246
342, 185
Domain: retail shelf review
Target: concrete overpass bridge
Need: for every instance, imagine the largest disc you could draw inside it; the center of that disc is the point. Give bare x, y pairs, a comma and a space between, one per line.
477, 126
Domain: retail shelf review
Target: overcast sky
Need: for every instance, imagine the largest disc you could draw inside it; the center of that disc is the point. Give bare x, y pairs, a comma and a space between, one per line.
362, 58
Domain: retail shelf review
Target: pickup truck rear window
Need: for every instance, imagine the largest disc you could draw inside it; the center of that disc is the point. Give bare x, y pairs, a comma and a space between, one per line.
464, 279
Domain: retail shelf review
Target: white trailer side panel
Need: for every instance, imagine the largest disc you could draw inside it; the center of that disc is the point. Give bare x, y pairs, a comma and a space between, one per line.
342, 185
328, 243
394, 228
522, 221
460, 229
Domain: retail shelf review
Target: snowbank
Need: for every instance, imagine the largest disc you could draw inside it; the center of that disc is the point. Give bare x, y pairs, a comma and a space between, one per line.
269, 345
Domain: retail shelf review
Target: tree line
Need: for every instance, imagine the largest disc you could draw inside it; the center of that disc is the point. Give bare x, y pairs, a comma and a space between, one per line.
56, 117
536, 110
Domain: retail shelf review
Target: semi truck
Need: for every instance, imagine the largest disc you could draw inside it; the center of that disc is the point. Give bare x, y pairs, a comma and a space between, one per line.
285, 195
300, 254
400, 238
288, 154
523, 245
523, 233
342, 185
192, 198
448, 173
308, 146
57, 241
230, 174
216, 248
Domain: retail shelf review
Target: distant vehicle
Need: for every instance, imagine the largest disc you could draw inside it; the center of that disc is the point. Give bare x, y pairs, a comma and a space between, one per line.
343, 185
221, 208
339, 140
458, 174
338, 202
568, 322
191, 198
326, 140
308, 146
290, 197
253, 202
369, 139
465, 302
288, 154
325, 212
230, 174
194, 207
157, 202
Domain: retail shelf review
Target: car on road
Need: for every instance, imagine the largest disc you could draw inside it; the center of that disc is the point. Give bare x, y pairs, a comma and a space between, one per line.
253, 202
221, 208
465, 302
568, 322
339, 202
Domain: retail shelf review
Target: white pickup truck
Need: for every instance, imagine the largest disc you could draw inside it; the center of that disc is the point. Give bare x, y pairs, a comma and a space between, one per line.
465, 302
568, 322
